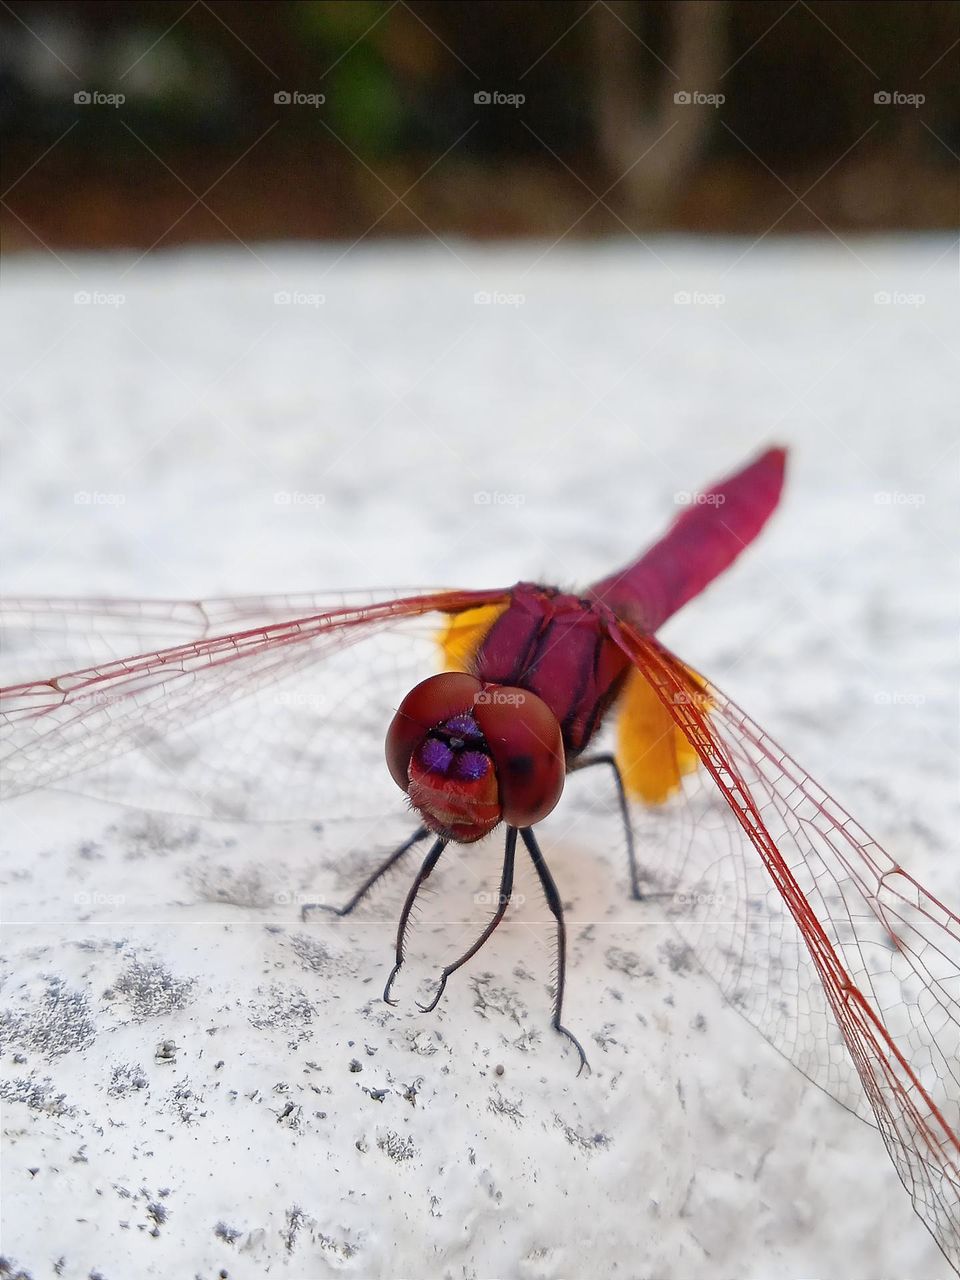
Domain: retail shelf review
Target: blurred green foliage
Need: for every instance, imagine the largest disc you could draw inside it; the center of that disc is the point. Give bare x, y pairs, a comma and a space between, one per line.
366, 105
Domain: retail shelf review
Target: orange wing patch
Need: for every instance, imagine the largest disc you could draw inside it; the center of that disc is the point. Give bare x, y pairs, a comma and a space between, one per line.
653, 752
464, 633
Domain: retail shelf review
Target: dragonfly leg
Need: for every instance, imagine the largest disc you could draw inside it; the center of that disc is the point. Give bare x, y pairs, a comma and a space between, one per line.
370, 881
608, 759
506, 889
429, 862
556, 908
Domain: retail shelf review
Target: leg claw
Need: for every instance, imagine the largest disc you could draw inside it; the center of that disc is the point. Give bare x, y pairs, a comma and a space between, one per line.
577, 1045
429, 1008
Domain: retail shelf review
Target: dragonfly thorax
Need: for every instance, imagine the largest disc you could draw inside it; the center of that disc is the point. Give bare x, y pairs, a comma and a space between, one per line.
470, 755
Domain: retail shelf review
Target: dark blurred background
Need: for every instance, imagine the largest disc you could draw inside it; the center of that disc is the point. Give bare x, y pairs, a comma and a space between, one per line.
142, 124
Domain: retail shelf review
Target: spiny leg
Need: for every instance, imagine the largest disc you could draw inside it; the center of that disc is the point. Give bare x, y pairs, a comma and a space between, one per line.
429, 862
370, 881
506, 889
624, 814
556, 908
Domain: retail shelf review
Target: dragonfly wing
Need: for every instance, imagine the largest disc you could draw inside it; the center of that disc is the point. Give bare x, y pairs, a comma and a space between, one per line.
64, 633
251, 721
844, 962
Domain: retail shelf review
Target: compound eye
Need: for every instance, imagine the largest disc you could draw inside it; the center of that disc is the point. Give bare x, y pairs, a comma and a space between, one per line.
428, 704
524, 739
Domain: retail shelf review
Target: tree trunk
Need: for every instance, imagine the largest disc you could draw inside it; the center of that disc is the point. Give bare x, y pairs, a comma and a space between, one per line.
635, 120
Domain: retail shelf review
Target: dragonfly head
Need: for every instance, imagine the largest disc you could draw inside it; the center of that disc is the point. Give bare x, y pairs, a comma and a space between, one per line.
470, 755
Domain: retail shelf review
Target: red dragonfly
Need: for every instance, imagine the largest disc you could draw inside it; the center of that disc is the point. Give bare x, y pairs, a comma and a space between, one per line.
844, 962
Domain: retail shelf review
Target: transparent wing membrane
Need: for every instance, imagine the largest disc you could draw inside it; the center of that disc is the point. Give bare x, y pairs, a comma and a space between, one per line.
821, 940
242, 723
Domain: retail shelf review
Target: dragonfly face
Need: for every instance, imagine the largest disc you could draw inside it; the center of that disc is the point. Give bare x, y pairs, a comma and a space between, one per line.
470, 754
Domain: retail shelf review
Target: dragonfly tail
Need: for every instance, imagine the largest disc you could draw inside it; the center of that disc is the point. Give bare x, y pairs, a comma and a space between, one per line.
705, 539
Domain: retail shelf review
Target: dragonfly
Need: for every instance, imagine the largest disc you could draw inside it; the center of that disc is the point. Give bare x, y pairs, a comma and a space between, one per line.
826, 943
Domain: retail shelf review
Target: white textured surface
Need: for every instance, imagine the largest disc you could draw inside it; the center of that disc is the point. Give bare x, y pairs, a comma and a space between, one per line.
692, 1150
